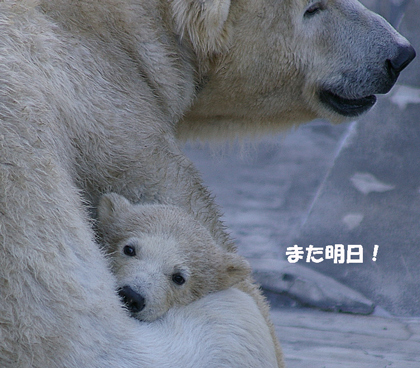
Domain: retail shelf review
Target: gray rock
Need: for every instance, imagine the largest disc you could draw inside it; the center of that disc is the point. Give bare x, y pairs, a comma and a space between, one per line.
308, 287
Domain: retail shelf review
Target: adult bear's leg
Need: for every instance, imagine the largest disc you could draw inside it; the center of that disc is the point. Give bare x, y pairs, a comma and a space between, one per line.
58, 307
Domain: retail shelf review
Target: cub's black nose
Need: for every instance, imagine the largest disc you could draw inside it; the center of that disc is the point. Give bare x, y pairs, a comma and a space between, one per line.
133, 300
404, 57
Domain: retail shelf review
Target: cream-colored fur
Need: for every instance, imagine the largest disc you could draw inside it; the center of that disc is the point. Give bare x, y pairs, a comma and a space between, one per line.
221, 330
167, 241
163, 242
92, 96
279, 60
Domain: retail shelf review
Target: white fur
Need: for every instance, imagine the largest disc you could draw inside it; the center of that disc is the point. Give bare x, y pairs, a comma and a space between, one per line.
224, 329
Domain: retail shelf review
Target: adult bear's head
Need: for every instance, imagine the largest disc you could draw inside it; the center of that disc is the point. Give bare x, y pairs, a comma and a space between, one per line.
272, 63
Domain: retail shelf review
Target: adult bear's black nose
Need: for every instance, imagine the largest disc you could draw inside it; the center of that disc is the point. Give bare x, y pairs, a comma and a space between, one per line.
404, 57
133, 300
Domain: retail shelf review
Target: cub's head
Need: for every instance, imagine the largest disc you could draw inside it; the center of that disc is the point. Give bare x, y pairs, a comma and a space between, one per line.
162, 257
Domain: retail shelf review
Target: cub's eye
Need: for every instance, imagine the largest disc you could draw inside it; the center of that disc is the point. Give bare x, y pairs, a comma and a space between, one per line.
178, 279
129, 250
313, 9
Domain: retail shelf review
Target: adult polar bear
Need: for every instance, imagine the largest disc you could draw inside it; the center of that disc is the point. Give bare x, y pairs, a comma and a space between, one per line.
92, 95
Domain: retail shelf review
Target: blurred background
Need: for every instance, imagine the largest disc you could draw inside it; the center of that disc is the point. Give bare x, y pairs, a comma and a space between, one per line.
322, 184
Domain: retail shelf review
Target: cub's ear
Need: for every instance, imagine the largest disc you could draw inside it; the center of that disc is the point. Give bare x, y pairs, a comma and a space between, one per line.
236, 268
112, 205
203, 21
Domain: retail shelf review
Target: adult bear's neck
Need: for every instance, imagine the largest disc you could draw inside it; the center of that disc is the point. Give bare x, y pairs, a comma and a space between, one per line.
141, 31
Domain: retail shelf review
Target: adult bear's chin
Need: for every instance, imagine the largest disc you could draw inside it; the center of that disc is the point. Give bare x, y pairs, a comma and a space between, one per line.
344, 106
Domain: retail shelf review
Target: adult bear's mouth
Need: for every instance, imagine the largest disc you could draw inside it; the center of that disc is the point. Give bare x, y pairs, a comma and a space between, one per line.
345, 106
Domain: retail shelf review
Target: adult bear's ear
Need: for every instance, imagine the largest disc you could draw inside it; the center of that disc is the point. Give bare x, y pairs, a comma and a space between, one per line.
236, 268
204, 22
112, 205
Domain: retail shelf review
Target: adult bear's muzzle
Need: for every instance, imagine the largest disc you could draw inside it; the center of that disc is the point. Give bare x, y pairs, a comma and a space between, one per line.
405, 55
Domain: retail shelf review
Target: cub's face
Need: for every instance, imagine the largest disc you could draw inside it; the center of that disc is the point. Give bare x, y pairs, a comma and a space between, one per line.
162, 257
153, 274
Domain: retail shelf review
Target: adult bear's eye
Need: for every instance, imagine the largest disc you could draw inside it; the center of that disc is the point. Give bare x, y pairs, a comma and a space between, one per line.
178, 279
313, 9
129, 250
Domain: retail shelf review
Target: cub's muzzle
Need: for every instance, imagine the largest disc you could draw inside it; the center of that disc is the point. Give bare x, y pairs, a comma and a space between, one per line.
133, 300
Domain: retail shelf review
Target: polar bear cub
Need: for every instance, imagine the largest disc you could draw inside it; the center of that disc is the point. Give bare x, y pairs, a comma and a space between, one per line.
162, 257
171, 272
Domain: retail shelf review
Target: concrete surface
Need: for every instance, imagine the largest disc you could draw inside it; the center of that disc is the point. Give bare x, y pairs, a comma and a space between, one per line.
335, 340
351, 184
